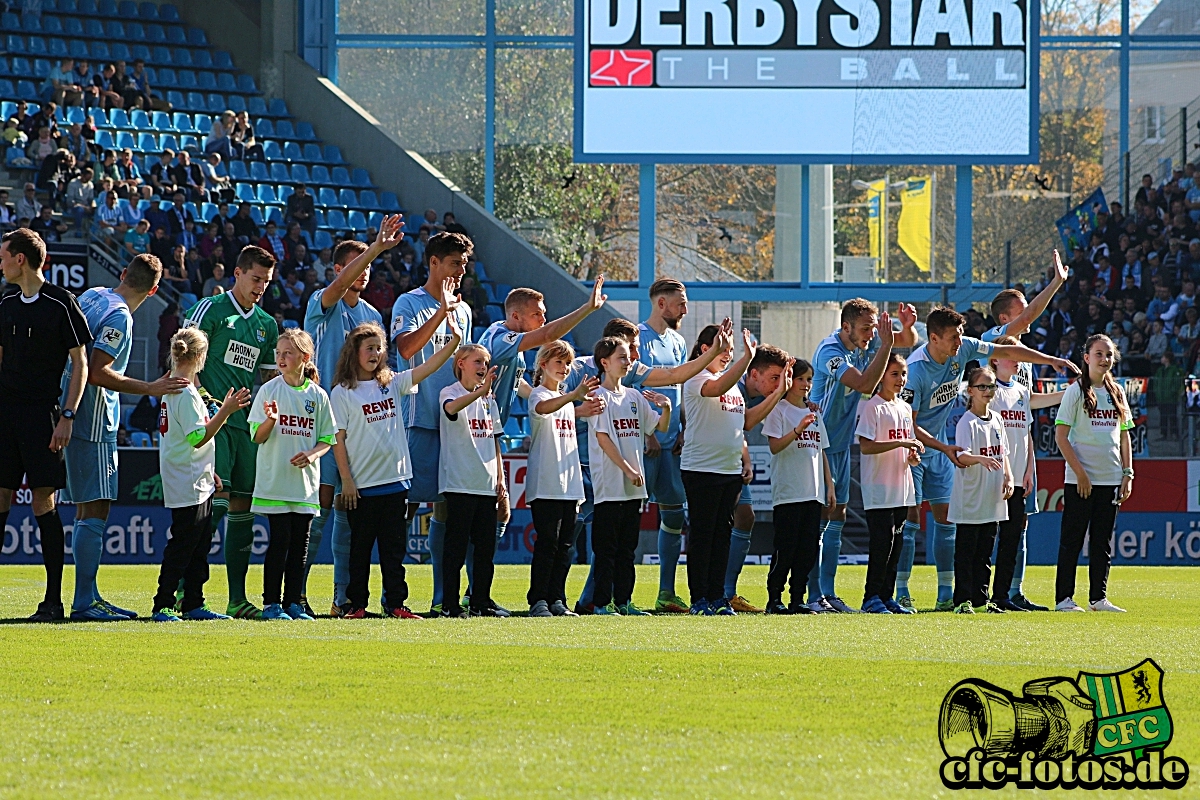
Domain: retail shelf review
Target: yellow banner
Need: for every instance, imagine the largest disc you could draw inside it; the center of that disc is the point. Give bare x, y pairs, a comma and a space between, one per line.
916, 208
876, 197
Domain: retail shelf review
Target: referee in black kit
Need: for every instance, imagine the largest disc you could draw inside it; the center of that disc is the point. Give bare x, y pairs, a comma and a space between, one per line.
40, 326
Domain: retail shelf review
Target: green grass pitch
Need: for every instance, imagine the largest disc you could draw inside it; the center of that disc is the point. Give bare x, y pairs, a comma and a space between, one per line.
822, 707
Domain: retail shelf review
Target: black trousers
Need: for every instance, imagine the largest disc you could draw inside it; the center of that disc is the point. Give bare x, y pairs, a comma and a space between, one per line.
885, 527
287, 550
796, 548
1094, 516
1010, 541
973, 545
615, 531
470, 519
711, 499
378, 519
554, 522
186, 557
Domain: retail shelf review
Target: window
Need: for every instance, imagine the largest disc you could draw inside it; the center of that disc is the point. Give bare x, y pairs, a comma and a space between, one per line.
1154, 119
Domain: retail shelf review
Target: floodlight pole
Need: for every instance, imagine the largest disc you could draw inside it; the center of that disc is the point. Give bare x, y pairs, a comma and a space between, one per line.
489, 114
647, 215
964, 199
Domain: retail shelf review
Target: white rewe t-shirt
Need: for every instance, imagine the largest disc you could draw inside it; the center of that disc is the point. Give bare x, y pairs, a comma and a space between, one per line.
376, 442
978, 493
469, 462
887, 480
1012, 404
627, 419
1096, 437
713, 435
798, 470
553, 471
305, 418
186, 471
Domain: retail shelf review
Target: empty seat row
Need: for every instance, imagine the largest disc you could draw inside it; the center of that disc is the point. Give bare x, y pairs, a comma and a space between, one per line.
126, 9
325, 197
258, 172
21, 67
117, 51
181, 122
95, 29
217, 103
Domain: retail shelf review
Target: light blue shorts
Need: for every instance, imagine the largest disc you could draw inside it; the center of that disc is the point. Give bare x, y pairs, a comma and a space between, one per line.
425, 447
933, 477
329, 472
839, 468
91, 471
664, 481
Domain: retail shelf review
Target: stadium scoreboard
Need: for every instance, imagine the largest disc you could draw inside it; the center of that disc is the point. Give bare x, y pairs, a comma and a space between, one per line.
867, 81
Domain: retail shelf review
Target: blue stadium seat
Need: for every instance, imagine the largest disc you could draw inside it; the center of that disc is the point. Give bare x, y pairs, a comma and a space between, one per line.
283, 193
266, 194
368, 200
176, 35
41, 68
99, 51
167, 142
195, 102
31, 24
222, 172
222, 60
278, 108
333, 155
322, 240
14, 44
357, 220
21, 67
187, 79
203, 124
202, 59
160, 55
182, 57
147, 143
341, 177
312, 152
291, 152
77, 49
93, 28
479, 272
236, 103
180, 122
37, 47
196, 37
246, 83
284, 130
272, 152
375, 220
135, 32
238, 171
257, 215
155, 34
389, 201
360, 177
175, 98
162, 121
117, 118
7, 90
148, 11
264, 129
207, 81
279, 172
224, 80
88, 8
52, 26
217, 104
318, 217
114, 30
67, 7
104, 139
275, 214
120, 52
305, 132
245, 191
208, 211
10, 22
140, 439
300, 174
347, 198
141, 51
125, 140
335, 219
326, 197
258, 172
257, 106
168, 13
4, 66
140, 121
107, 8
127, 9
74, 114
320, 175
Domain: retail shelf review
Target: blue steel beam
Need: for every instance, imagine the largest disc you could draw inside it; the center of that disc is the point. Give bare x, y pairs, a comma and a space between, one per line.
647, 237
817, 292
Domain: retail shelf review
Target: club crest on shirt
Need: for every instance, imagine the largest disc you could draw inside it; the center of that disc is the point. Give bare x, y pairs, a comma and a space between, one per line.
633, 406
385, 390
955, 367
261, 335
310, 406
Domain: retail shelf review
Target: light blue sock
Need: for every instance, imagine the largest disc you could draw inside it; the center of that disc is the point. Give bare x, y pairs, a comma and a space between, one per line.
670, 545
908, 551
814, 575
830, 551
739, 546
437, 537
86, 546
339, 539
1019, 571
316, 533
943, 559
589, 585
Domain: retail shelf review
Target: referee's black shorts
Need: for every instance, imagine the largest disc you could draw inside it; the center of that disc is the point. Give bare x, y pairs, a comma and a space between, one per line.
25, 433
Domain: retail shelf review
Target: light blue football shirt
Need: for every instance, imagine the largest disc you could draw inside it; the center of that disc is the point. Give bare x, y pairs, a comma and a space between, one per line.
111, 324
410, 311
329, 328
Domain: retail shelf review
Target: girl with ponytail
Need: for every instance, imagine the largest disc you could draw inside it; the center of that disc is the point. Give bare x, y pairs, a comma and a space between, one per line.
1092, 431
292, 422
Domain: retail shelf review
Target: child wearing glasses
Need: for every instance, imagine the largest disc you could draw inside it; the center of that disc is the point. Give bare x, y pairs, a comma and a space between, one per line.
979, 498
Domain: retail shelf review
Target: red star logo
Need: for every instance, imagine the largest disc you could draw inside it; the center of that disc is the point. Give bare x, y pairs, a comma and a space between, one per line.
622, 68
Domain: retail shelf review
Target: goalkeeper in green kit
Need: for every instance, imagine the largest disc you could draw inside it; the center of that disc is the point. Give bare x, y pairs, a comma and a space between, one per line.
241, 341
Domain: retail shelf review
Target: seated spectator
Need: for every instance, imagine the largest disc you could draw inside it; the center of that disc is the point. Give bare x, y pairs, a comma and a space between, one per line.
132, 176
1158, 343
423, 239
161, 177
110, 89
175, 272
231, 248
222, 216
380, 294
188, 237
1135, 362
60, 85
14, 136
1098, 248
75, 143
8, 216
297, 262
1095, 320
476, 298
1162, 308
168, 325
216, 185
138, 93
1133, 266
1187, 295
430, 220
57, 170
123, 439
220, 136
50, 229
293, 288
1189, 331
243, 141
45, 118
450, 224
217, 281
244, 226
300, 209
293, 237
275, 302
403, 284
110, 219
137, 239
108, 169
178, 216
27, 122
209, 240
324, 262
272, 242
28, 206
41, 148
1118, 325
160, 245
189, 178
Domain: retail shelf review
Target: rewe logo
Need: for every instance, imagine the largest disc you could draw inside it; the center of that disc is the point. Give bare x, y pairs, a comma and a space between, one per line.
621, 68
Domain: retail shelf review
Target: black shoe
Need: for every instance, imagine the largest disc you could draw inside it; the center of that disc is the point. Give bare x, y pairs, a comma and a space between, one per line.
453, 611
1021, 601
777, 607
500, 611
307, 608
1008, 605
490, 611
801, 608
48, 612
